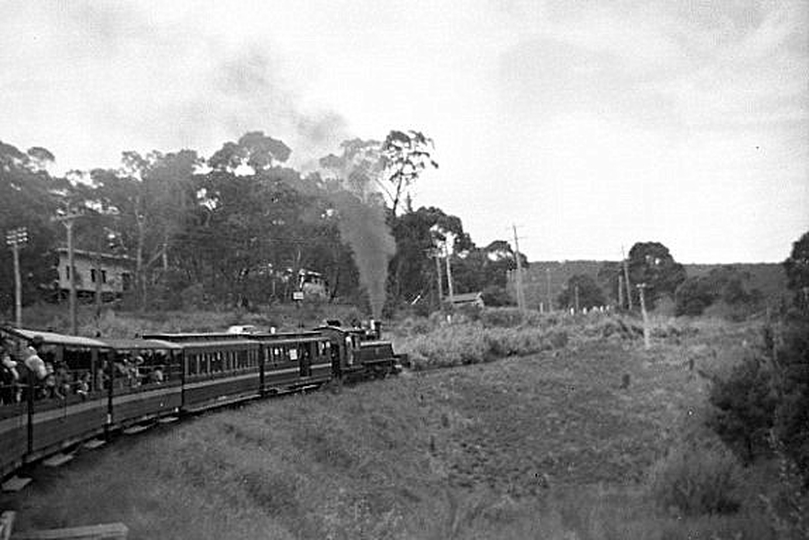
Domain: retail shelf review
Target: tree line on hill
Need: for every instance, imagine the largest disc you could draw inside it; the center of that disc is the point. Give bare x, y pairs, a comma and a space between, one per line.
725, 289
232, 228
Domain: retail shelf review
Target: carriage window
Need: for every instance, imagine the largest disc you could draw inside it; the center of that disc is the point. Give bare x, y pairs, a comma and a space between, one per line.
192, 364
203, 364
293, 353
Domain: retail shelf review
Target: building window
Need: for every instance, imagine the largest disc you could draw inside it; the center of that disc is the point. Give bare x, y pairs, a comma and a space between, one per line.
94, 273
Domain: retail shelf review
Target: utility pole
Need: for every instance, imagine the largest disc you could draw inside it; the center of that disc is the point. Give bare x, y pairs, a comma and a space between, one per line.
620, 291
98, 282
626, 276
548, 288
576, 293
67, 220
449, 275
520, 292
435, 253
646, 337
16, 238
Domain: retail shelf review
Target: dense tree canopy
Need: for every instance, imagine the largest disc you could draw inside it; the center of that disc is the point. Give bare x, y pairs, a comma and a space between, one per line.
797, 270
652, 264
29, 198
725, 284
236, 227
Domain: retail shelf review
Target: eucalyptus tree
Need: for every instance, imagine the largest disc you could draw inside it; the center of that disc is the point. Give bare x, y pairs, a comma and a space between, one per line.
28, 198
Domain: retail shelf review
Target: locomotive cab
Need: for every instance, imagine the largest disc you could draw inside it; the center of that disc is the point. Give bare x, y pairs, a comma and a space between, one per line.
358, 352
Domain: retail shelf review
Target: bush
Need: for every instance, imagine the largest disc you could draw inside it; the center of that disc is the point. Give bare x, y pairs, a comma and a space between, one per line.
696, 478
501, 317
744, 404
791, 416
769, 391
495, 296
460, 344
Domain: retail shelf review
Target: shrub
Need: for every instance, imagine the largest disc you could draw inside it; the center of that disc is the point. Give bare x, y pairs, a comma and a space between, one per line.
460, 344
768, 391
743, 407
791, 421
495, 296
696, 478
501, 317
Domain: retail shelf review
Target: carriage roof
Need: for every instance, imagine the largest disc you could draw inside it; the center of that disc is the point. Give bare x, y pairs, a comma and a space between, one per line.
138, 344
53, 338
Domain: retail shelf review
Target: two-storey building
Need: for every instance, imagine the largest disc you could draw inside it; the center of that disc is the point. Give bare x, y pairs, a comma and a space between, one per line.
113, 273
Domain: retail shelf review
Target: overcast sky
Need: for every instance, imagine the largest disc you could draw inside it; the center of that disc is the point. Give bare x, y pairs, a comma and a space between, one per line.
590, 125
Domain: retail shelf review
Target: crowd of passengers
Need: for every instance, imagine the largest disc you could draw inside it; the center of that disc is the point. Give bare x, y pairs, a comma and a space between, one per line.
54, 380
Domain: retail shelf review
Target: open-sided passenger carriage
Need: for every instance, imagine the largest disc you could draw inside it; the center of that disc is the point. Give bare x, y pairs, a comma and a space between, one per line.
67, 406
146, 379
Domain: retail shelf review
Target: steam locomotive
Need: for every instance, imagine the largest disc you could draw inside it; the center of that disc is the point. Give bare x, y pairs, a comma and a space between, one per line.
92, 387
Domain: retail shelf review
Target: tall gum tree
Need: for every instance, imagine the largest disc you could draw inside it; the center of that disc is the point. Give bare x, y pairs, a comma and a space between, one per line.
405, 155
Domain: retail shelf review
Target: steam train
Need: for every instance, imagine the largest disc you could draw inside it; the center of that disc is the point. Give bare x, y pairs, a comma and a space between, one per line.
93, 387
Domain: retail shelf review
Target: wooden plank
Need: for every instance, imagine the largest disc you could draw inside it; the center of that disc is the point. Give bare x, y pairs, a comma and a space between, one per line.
6, 524
136, 429
94, 443
57, 460
15, 483
109, 531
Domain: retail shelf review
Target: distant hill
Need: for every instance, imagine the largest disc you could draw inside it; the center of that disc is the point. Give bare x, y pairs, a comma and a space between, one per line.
769, 278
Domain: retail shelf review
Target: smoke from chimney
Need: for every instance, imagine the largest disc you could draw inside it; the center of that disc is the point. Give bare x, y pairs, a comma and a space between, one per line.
363, 226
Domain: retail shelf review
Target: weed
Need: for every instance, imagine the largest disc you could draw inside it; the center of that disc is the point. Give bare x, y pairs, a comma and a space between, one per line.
697, 478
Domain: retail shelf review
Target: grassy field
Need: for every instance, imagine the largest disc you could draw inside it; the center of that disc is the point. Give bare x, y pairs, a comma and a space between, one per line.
552, 445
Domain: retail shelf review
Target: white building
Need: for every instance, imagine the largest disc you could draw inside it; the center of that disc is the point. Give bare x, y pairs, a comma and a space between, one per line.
89, 268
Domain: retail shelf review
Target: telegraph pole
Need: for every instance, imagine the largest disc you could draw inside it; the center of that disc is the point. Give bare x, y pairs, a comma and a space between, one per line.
548, 288
576, 292
626, 277
646, 338
449, 276
67, 220
435, 253
520, 292
16, 238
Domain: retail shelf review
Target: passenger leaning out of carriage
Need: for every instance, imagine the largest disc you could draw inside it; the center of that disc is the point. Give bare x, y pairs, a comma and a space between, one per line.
9, 377
37, 371
157, 376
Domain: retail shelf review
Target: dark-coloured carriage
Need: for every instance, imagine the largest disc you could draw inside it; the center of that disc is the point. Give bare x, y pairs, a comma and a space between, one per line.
94, 386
